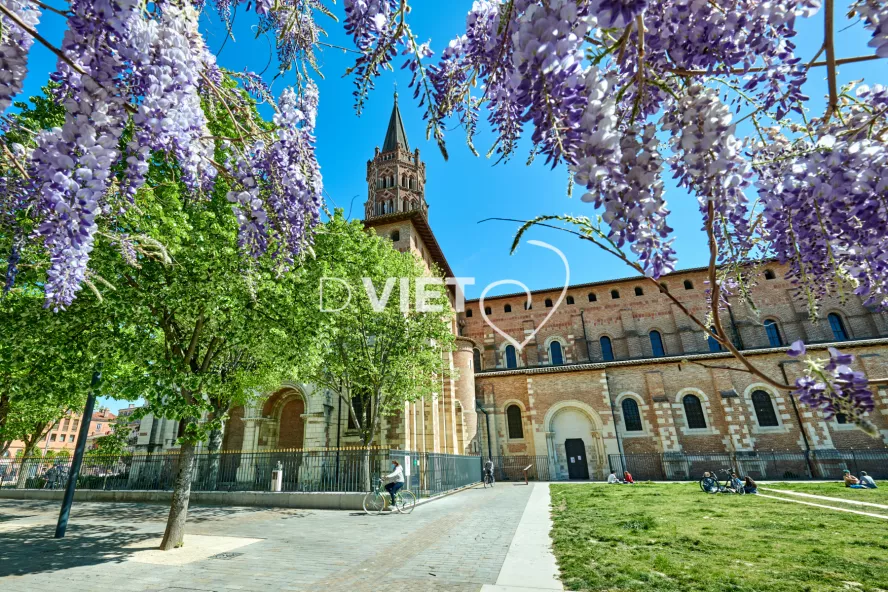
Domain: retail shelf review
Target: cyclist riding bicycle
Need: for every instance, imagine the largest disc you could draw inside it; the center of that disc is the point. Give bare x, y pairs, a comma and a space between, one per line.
488, 468
394, 480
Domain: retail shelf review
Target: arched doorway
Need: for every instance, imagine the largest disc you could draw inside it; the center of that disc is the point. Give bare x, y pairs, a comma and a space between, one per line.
577, 448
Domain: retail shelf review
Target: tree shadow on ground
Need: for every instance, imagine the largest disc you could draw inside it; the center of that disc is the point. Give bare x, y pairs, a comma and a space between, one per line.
132, 512
34, 550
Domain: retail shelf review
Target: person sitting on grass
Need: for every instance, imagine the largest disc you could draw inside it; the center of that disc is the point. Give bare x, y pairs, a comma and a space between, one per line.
613, 478
750, 486
736, 484
710, 482
627, 477
867, 481
851, 481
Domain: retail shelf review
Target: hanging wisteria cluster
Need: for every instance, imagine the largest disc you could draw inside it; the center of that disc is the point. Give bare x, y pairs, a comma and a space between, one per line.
124, 67
288, 172
14, 46
833, 386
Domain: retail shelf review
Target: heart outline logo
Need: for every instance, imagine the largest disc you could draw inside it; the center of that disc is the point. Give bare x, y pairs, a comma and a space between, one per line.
506, 336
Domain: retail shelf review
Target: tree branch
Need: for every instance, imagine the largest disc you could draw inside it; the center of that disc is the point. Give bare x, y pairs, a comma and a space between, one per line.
829, 42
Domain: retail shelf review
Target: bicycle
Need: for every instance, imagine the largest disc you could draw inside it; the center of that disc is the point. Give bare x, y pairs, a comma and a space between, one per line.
489, 479
711, 484
376, 500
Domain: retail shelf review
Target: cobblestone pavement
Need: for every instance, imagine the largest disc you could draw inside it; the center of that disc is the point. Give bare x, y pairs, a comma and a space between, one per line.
457, 543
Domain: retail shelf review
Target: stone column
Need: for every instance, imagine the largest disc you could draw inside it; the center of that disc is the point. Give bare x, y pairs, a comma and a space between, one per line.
465, 390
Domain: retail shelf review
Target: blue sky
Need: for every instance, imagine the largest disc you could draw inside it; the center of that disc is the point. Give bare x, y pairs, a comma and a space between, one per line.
466, 188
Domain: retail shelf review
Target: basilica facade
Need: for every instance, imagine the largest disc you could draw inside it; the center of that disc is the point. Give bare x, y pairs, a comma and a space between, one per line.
589, 371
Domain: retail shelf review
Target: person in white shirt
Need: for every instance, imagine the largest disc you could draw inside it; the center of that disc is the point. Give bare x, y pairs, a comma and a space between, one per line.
613, 478
867, 481
394, 480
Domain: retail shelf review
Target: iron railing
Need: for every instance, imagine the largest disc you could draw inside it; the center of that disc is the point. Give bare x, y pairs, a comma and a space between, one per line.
511, 468
814, 464
342, 470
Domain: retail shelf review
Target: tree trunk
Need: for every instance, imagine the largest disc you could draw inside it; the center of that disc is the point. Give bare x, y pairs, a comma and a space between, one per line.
174, 535
210, 474
25, 467
366, 468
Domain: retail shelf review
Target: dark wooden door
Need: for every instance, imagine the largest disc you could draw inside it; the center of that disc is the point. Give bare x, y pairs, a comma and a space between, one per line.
577, 465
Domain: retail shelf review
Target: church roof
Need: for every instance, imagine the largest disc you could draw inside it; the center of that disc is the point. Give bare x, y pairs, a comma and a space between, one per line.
395, 136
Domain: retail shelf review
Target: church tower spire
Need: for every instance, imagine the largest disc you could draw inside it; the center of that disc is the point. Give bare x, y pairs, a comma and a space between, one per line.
395, 175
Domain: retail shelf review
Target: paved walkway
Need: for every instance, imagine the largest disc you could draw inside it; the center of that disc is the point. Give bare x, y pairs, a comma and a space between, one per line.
458, 543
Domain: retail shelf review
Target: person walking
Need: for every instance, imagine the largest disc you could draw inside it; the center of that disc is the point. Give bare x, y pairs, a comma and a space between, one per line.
394, 481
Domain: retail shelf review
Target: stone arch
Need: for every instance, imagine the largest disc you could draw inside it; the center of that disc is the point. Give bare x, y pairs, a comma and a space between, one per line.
285, 408
574, 420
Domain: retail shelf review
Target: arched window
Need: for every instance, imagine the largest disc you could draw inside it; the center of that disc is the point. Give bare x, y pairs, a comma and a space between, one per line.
838, 327
513, 417
528, 305
469, 313
507, 308
592, 297
391, 180
764, 409
487, 310
379, 183
769, 274
607, 350
404, 180
570, 299
511, 357
396, 236
476, 359
689, 285
773, 331
657, 344
631, 415
412, 182
548, 303
694, 412
714, 345
555, 355
615, 294
639, 291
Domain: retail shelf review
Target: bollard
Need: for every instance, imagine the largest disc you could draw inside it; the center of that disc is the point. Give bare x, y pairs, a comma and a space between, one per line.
277, 477
527, 468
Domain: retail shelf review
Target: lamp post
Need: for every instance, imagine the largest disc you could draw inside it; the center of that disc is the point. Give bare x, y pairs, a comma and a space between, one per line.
68, 500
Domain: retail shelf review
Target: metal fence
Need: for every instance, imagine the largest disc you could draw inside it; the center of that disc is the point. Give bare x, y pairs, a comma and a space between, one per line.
815, 464
343, 470
511, 468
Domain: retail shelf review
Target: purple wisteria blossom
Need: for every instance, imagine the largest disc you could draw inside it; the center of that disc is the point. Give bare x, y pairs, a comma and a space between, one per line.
875, 16
71, 165
835, 388
167, 69
14, 46
286, 169
617, 13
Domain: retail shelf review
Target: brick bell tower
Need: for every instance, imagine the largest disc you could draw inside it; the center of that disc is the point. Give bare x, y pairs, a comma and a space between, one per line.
395, 176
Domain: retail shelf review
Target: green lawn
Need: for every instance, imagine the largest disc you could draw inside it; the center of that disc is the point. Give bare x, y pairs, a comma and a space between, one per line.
674, 537
838, 489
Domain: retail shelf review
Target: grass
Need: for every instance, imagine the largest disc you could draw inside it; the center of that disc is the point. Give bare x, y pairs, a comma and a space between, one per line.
838, 490
673, 537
